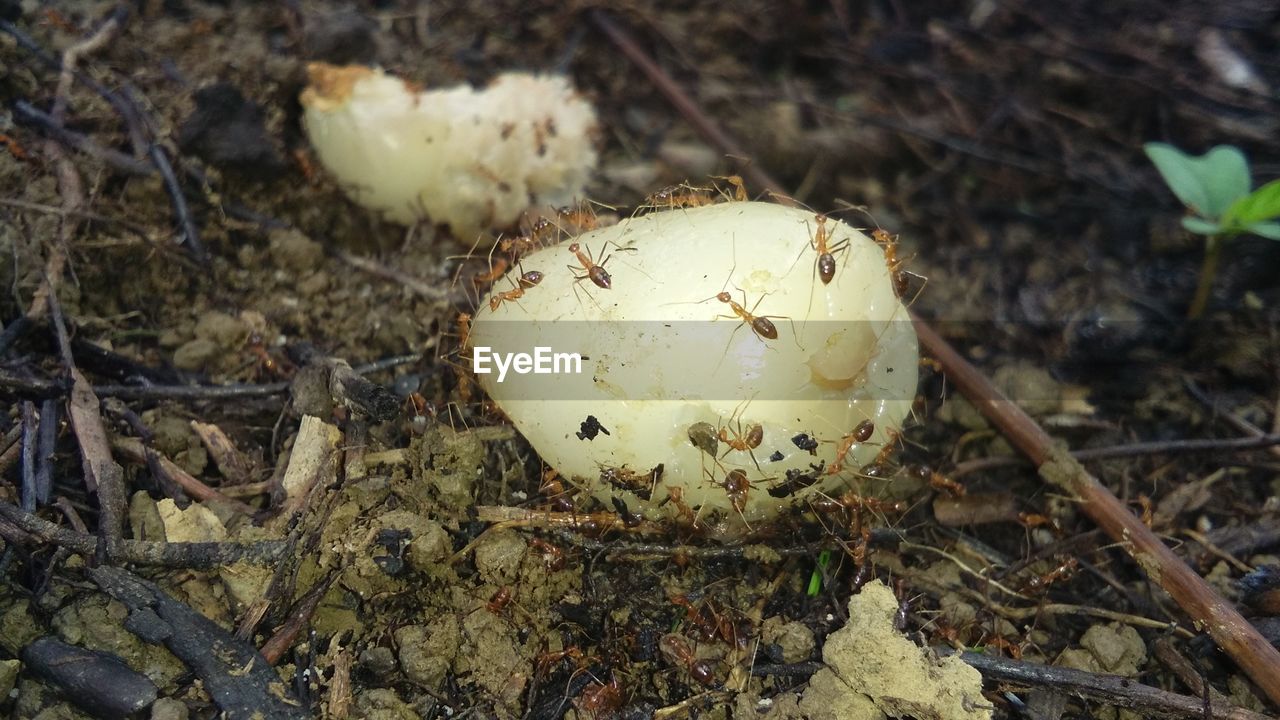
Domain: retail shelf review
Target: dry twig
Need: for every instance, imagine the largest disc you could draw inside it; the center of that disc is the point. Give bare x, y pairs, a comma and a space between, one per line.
135, 451
1110, 689
25, 528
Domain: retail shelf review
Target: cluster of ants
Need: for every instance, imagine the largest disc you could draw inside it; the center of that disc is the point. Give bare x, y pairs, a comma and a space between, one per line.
573, 221
703, 621
559, 497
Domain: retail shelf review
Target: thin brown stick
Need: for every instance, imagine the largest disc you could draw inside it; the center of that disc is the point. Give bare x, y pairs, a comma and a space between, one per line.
1110, 689
71, 58
298, 620
373, 267
141, 230
1232, 419
70, 186
43, 122
1219, 618
10, 448
1159, 447
1168, 655
26, 528
687, 107
103, 476
134, 451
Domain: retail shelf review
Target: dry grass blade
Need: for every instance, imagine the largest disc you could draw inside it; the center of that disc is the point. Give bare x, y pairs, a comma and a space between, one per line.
102, 475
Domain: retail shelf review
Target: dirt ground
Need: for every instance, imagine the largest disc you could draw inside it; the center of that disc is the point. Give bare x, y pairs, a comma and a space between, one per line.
1002, 140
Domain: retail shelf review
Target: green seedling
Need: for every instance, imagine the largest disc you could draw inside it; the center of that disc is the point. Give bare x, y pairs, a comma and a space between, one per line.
815, 579
1215, 188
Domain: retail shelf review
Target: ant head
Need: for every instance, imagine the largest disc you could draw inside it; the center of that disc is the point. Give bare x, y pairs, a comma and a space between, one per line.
573, 247
724, 296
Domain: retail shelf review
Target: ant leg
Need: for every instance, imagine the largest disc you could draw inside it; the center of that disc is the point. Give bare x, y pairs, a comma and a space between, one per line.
578, 279
795, 337
729, 344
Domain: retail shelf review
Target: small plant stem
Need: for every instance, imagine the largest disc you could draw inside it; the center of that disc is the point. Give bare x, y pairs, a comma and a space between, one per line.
1212, 250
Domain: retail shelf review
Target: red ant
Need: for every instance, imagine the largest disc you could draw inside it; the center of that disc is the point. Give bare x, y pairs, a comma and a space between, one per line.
882, 457
1148, 516
742, 442
705, 620
517, 246
1009, 648
553, 489
418, 410
551, 555
464, 330
1042, 582
761, 325
938, 481
1032, 520
676, 495
901, 278
853, 501
736, 486
500, 600
642, 484
582, 218
818, 240
600, 699
860, 434
739, 188
544, 662
497, 268
14, 147
542, 230
527, 280
678, 196
712, 624
266, 362
464, 341
594, 272
676, 649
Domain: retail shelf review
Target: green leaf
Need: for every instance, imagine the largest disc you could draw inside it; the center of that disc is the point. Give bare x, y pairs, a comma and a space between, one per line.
1200, 226
1209, 183
1259, 205
1269, 230
815, 579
